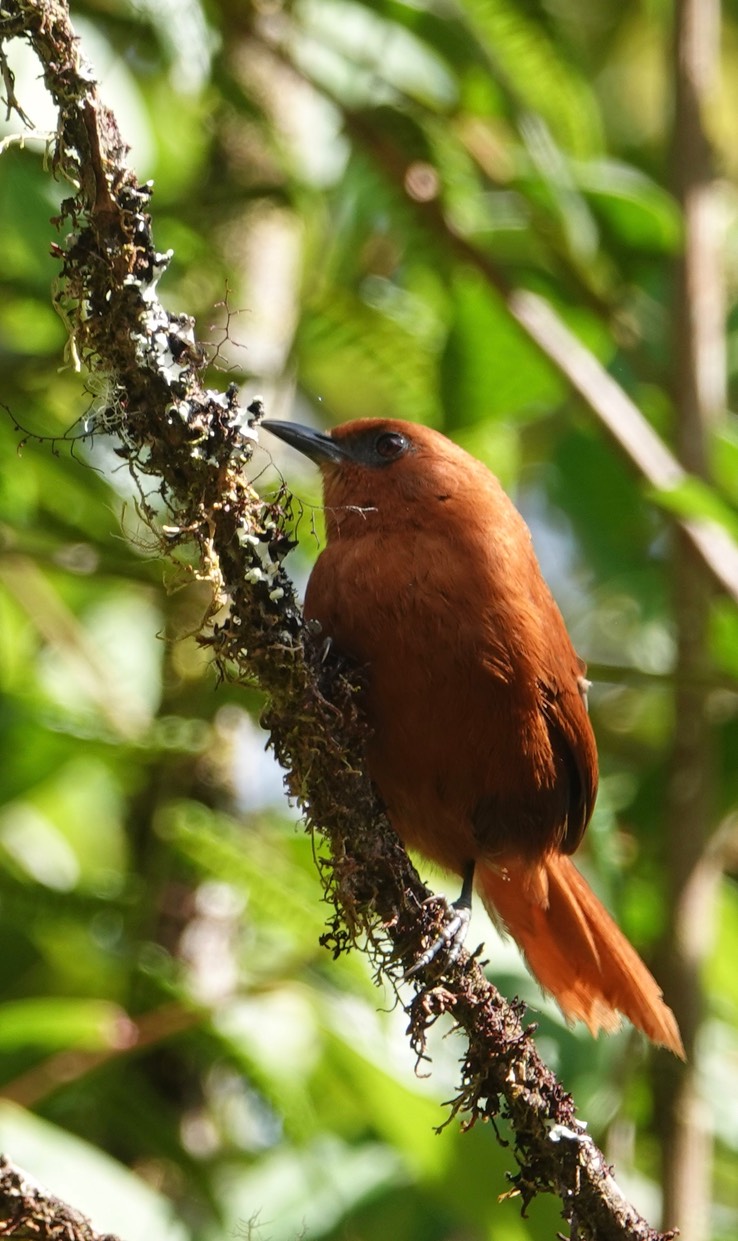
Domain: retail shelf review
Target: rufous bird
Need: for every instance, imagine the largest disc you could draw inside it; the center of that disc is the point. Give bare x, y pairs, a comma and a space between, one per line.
481, 744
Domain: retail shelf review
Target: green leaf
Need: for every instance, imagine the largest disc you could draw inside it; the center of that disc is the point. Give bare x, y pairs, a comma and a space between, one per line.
489, 367
724, 457
535, 73
640, 213
695, 499
51, 1024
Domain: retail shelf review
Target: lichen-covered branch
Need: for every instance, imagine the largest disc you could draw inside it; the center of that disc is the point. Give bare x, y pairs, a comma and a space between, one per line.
192, 445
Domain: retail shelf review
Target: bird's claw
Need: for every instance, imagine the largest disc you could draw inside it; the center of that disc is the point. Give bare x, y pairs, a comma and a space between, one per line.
450, 940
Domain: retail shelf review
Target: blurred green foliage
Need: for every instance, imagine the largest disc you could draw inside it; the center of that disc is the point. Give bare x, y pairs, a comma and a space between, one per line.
163, 997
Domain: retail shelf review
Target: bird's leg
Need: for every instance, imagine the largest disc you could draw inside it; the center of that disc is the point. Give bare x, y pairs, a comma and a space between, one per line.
452, 936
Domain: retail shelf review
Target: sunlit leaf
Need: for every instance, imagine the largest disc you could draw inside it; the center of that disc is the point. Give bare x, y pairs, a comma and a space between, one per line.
49, 1024
693, 498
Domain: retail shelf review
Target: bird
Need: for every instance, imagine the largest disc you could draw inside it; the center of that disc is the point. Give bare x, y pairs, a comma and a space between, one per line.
480, 743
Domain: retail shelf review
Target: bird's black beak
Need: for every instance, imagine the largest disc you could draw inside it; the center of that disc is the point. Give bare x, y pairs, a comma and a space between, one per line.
314, 444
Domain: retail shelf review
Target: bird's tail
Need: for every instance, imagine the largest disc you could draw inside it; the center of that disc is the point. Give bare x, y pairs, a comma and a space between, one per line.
574, 948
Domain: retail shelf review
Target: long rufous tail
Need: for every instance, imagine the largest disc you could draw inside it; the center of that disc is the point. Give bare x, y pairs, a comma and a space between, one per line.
574, 948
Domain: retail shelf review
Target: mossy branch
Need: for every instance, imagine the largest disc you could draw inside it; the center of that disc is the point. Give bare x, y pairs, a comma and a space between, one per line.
195, 444
28, 1211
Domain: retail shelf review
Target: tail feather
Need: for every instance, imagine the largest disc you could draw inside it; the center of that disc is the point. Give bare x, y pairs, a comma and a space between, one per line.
575, 949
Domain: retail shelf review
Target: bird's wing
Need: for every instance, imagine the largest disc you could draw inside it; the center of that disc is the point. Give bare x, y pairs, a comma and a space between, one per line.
564, 709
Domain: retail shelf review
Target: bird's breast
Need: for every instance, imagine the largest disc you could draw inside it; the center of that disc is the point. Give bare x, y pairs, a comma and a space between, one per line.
452, 694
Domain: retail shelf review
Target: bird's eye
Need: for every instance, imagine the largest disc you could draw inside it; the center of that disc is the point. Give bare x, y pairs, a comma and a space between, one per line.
391, 445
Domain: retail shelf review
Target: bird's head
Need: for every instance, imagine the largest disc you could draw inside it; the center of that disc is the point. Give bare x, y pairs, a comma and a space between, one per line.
382, 471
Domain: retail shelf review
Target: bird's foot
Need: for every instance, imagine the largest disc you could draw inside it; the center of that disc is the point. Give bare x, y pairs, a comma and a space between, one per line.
453, 933
450, 941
